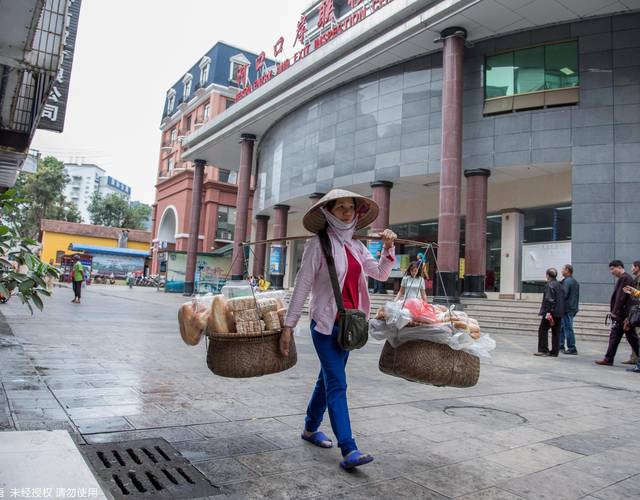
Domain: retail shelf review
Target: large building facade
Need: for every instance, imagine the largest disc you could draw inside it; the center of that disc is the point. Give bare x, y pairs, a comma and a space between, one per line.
86, 180
505, 133
205, 91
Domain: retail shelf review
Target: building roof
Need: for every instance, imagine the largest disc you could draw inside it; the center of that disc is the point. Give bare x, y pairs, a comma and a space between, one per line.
112, 233
131, 252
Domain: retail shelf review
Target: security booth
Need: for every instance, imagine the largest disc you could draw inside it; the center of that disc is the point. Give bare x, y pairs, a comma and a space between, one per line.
211, 269
66, 266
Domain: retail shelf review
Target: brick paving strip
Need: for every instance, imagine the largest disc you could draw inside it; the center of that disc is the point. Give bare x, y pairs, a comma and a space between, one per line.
115, 369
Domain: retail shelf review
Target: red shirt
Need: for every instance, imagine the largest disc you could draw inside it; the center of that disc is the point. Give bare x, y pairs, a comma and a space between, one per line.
350, 295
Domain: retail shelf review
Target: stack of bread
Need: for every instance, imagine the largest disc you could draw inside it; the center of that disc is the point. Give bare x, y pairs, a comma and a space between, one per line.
245, 315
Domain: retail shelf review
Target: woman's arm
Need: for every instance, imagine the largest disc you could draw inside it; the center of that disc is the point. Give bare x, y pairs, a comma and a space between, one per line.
423, 294
378, 270
400, 293
304, 280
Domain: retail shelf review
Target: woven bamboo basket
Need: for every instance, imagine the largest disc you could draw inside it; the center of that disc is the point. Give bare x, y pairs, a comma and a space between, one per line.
430, 363
237, 355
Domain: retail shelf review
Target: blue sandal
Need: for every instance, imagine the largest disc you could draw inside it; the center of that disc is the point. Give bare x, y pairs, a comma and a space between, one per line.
319, 439
355, 459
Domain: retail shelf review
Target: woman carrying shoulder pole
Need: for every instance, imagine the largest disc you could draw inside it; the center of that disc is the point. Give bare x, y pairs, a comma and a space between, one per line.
340, 213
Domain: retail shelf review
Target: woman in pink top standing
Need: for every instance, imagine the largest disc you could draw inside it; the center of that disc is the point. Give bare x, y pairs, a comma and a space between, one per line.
341, 213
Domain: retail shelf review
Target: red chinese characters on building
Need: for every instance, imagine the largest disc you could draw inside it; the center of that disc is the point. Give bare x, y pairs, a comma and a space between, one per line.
326, 13
260, 61
301, 31
354, 3
278, 47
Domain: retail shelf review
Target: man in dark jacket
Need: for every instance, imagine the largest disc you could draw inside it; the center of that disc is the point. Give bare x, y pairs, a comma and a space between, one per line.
552, 311
571, 290
620, 303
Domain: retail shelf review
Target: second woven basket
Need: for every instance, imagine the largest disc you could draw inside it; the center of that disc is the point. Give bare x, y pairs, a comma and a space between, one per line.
430, 363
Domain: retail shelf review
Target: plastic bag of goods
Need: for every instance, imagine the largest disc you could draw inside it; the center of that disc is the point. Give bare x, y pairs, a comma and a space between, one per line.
193, 317
421, 311
236, 288
221, 319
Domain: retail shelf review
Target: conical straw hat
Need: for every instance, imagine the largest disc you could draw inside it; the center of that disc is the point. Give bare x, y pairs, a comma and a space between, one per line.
366, 210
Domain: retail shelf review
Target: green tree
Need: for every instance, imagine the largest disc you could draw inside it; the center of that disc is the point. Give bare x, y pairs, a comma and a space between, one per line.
115, 211
41, 196
22, 273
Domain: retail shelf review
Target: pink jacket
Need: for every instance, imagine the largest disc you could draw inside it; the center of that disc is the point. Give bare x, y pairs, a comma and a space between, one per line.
313, 277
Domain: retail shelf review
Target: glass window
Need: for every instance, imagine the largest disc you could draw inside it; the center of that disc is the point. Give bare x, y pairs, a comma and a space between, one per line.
529, 70
187, 125
226, 223
229, 103
205, 112
561, 65
171, 101
547, 224
499, 76
204, 74
174, 134
532, 70
187, 89
227, 176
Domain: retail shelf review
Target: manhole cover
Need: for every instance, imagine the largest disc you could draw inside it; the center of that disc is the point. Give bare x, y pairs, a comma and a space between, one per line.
485, 414
146, 468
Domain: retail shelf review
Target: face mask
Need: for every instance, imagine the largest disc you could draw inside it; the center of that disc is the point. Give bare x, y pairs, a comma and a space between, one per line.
340, 229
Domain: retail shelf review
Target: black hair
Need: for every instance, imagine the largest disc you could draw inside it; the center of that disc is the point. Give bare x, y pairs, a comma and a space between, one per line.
636, 263
413, 264
569, 268
332, 203
616, 263
552, 273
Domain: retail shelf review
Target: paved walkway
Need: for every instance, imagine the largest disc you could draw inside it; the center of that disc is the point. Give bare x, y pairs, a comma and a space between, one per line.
115, 368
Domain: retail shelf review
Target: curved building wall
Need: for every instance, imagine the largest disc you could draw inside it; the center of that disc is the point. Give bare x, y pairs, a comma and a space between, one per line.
387, 126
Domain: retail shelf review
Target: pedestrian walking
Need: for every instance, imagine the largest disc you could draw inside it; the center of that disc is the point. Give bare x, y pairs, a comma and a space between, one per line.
571, 289
412, 285
337, 216
552, 312
634, 309
619, 307
77, 278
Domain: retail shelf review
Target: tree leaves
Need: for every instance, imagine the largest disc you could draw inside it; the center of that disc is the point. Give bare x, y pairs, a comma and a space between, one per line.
21, 271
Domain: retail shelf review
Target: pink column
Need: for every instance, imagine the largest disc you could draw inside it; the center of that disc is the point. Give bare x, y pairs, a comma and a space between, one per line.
475, 250
194, 227
450, 163
242, 204
262, 223
381, 194
280, 219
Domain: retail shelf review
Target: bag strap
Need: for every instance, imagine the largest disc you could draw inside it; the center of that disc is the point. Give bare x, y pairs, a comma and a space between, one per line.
325, 244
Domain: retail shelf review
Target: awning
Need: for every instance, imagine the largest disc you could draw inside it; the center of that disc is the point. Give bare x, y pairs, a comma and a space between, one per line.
223, 251
130, 252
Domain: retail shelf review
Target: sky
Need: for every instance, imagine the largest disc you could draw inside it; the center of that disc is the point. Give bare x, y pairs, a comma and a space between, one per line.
128, 54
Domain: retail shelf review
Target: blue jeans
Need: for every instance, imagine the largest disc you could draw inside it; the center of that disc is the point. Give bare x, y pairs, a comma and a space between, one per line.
331, 390
567, 332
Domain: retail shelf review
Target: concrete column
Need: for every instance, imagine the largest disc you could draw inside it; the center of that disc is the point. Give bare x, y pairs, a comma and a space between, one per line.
511, 253
450, 164
280, 220
262, 224
242, 204
381, 194
194, 226
475, 250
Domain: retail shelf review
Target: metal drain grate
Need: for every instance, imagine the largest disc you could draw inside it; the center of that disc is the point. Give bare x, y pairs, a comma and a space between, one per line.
146, 468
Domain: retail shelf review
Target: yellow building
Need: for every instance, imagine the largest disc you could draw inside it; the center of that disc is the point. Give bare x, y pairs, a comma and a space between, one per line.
58, 236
